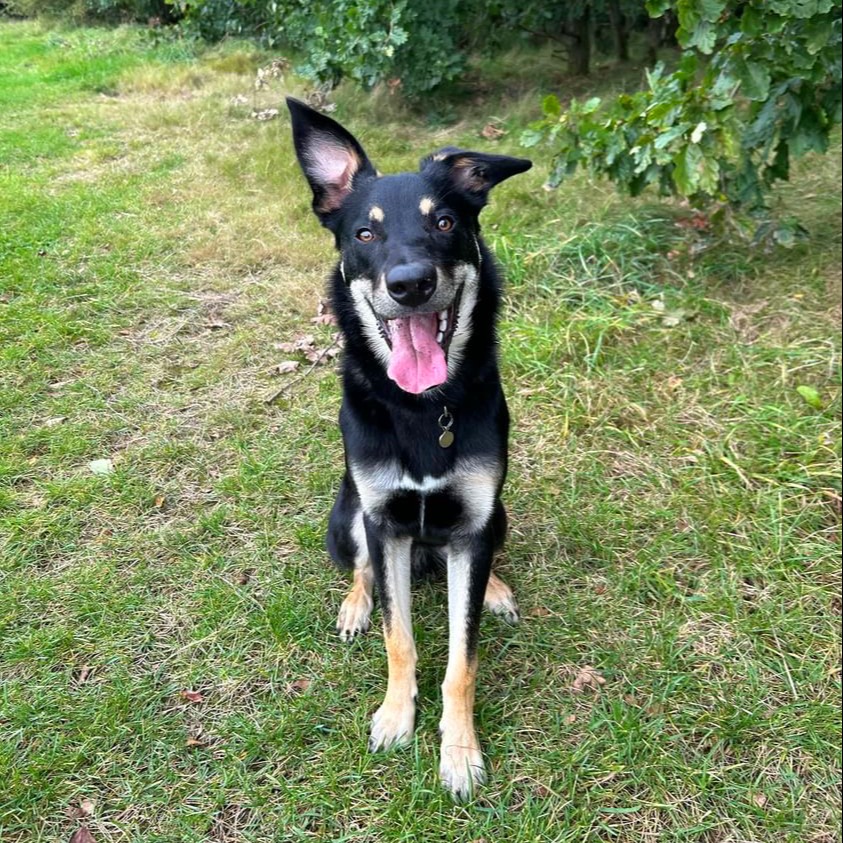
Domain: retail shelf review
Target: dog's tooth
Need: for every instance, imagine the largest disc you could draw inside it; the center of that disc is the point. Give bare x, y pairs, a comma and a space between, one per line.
440, 336
443, 314
443, 325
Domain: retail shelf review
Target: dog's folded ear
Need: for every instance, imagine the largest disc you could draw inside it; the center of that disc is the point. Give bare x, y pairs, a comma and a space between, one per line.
473, 173
331, 157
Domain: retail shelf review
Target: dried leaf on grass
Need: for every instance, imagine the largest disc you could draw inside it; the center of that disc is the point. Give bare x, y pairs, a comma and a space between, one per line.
299, 686
84, 674
322, 355
287, 366
191, 696
83, 810
82, 835
265, 114
323, 314
300, 343
492, 132
588, 677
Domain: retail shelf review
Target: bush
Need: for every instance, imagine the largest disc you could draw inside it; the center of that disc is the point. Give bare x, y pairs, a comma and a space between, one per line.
759, 83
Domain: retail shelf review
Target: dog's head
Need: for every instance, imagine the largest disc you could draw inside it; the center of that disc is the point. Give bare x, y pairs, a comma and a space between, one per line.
408, 243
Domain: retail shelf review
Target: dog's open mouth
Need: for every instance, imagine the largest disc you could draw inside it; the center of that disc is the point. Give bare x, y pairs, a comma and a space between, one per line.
419, 347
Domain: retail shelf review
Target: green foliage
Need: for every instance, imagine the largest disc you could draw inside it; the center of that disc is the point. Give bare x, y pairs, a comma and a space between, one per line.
375, 40
722, 127
414, 46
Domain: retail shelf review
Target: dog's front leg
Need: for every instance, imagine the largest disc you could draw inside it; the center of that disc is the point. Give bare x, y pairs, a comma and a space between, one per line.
461, 763
392, 723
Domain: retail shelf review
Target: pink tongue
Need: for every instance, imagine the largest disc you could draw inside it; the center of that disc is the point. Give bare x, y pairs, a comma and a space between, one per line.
417, 362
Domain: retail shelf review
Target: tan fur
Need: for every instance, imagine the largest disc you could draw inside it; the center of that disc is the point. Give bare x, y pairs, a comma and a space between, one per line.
356, 609
461, 762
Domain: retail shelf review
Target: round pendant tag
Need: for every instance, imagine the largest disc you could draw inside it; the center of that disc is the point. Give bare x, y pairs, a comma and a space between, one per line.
446, 439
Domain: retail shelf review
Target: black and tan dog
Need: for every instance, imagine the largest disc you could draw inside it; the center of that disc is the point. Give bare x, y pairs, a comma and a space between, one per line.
423, 417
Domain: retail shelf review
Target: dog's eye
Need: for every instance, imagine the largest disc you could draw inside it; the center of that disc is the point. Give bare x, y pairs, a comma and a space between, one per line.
365, 235
445, 223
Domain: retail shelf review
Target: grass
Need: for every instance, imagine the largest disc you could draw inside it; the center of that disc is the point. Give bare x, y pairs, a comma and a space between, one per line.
675, 502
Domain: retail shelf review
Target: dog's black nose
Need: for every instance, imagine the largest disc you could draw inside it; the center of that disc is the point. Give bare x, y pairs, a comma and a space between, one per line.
411, 284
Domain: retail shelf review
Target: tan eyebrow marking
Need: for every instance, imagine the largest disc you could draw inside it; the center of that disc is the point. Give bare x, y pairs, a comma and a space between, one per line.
376, 213
426, 205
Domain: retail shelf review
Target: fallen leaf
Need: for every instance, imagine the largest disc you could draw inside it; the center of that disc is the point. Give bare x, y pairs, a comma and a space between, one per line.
82, 835
194, 742
287, 366
570, 719
244, 577
321, 355
56, 420
265, 114
324, 319
159, 501
104, 466
759, 799
81, 811
84, 674
699, 222
539, 612
192, 696
588, 677
299, 686
492, 132
300, 343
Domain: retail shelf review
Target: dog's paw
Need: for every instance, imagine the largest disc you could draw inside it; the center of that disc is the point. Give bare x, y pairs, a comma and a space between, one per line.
461, 765
355, 615
392, 726
500, 600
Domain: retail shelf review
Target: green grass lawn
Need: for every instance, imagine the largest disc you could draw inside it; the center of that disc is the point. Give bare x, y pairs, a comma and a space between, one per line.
675, 501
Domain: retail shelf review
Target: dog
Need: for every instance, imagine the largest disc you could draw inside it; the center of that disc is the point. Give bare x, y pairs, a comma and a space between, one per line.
424, 421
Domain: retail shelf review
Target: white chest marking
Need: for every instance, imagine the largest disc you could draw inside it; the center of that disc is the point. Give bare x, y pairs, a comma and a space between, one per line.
474, 482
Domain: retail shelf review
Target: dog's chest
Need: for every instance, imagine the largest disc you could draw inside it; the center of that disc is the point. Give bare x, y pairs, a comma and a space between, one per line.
429, 508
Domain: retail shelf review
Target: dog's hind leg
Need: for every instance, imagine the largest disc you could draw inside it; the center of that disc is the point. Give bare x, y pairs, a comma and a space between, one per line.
349, 549
500, 600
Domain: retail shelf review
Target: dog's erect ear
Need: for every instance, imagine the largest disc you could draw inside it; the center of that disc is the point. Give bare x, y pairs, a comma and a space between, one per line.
332, 159
474, 173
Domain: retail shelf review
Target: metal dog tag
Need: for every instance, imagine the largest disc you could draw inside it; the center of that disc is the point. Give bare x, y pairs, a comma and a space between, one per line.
445, 422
